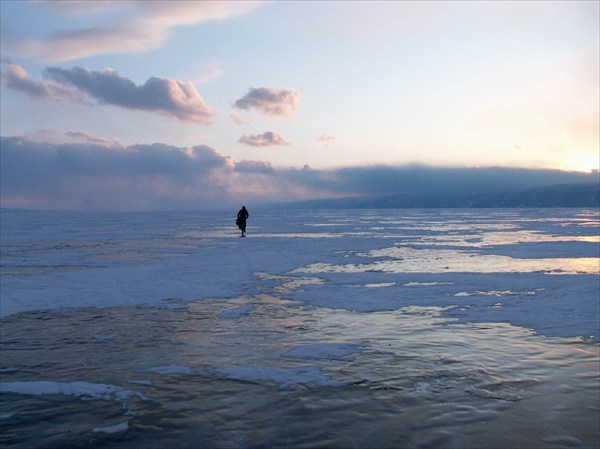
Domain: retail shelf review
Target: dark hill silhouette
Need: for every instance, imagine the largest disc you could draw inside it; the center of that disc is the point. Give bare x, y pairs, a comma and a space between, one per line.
561, 195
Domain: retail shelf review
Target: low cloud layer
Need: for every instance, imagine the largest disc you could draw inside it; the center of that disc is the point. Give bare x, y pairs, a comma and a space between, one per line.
165, 96
92, 173
271, 101
267, 139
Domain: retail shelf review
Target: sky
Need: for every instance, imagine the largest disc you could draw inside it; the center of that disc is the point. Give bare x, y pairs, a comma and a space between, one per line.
193, 105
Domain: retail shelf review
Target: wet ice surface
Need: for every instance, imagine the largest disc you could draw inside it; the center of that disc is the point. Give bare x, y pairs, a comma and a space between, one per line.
432, 329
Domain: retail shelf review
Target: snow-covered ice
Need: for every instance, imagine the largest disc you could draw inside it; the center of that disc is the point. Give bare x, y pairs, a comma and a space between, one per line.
366, 261
121, 427
382, 328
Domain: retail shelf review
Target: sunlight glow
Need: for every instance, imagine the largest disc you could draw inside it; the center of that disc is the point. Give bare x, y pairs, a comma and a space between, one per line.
587, 163
580, 163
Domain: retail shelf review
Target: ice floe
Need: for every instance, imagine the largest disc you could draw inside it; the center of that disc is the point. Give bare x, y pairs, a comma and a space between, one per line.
84, 390
121, 427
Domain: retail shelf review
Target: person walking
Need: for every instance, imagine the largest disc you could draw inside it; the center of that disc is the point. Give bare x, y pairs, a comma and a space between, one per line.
242, 216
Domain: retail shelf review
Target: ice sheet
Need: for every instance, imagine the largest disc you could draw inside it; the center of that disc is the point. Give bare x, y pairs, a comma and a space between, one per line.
324, 351
237, 312
365, 261
284, 377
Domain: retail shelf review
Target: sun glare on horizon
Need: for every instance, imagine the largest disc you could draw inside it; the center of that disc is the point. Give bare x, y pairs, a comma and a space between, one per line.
584, 163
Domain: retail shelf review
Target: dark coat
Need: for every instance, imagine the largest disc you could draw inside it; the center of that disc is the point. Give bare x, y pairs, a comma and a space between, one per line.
242, 216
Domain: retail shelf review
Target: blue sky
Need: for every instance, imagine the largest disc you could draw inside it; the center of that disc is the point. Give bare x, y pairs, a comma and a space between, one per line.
270, 88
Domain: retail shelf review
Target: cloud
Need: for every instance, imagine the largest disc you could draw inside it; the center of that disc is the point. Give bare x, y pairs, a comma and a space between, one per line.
270, 100
166, 96
238, 120
324, 138
246, 166
267, 139
92, 173
16, 78
146, 27
86, 137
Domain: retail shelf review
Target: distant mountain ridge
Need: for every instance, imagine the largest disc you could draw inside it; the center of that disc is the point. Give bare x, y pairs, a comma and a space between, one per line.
560, 195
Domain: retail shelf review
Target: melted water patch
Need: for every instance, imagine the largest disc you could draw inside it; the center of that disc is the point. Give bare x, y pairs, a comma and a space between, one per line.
286, 375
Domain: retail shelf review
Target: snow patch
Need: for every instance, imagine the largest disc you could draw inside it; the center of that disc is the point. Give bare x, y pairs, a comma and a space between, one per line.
237, 312
84, 390
121, 427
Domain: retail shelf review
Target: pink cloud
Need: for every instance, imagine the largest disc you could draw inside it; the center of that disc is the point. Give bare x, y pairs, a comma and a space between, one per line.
267, 139
238, 120
146, 27
165, 96
16, 78
324, 138
271, 100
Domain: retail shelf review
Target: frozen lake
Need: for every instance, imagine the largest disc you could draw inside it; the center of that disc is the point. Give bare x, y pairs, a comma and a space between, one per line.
340, 328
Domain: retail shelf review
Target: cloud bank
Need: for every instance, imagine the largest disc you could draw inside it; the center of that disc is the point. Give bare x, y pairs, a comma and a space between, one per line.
92, 173
136, 27
267, 139
271, 101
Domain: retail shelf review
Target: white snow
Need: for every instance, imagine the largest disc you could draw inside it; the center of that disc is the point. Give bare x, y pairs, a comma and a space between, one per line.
84, 390
237, 312
545, 264
121, 427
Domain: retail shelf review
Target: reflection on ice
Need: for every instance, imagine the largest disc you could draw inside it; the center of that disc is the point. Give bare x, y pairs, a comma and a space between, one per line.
290, 374
409, 260
498, 293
